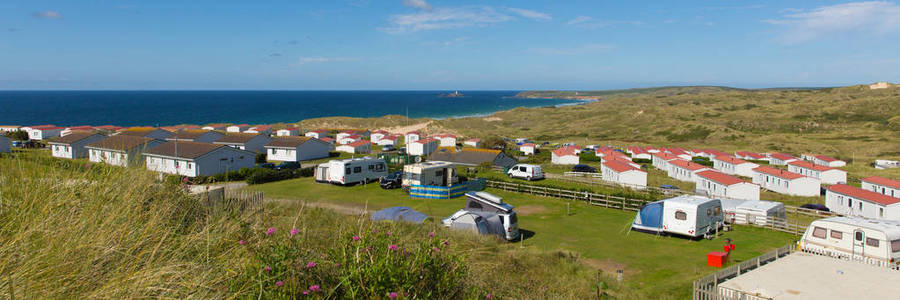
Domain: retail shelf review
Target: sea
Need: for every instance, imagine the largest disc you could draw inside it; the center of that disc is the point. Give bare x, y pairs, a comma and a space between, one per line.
166, 108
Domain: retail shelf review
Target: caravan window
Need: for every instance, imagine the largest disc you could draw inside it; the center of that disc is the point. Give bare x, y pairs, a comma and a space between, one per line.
347, 171
357, 169
819, 232
439, 173
379, 167
859, 236
680, 215
837, 235
718, 210
709, 212
895, 246
871, 242
371, 167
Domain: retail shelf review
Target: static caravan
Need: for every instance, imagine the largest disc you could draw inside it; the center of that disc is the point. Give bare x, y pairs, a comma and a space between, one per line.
874, 242
351, 171
686, 215
758, 212
439, 173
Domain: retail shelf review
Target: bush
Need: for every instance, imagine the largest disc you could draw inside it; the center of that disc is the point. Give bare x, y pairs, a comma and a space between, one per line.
261, 158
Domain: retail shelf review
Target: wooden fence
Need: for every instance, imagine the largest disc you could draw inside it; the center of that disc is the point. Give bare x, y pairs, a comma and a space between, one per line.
707, 287
224, 201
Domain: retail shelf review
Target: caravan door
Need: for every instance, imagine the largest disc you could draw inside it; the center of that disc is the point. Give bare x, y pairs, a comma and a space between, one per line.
859, 245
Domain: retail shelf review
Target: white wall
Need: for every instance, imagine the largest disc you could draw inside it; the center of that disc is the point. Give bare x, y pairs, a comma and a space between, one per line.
632, 178
421, 149
805, 186
472, 144
564, 160
110, 157
385, 142
367, 148
660, 163
42, 134
410, 138
741, 191
847, 205
527, 150
312, 149
218, 161
833, 176
448, 142
285, 132
683, 174
881, 189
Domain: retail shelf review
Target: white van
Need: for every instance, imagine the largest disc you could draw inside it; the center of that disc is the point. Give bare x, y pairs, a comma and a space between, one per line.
351, 171
758, 212
875, 242
692, 215
526, 171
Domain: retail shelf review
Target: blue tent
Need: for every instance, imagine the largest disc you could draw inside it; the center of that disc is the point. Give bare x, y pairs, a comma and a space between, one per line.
649, 218
399, 213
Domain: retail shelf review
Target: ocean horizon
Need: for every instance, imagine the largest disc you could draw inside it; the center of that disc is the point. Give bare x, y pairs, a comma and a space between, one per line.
166, 108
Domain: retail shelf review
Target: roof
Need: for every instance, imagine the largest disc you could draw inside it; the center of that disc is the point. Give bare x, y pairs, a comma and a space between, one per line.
810, 276
444, 135
473, 157
108, 127
564, 151
327, 139
237, 138
778, 172
189, 150
73, 137
782, 156
528, 145
413, 132
120, 142
289, 128
882, 181
620, 167
288, 141
473, 140
319, 131
189, 133
240, 125
390, 137
138, 131
687, 165
811, 166
753, 155
46, 128
862, 194
665, 156
826, 158
83, 127
380, 131
358, 143
730, 159
428, 140
720, 177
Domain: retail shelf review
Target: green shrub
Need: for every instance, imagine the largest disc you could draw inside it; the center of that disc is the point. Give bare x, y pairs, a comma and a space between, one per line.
261, 158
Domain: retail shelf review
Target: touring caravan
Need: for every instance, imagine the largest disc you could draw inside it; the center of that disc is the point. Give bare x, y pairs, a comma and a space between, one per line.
686, 215
487, 206
871, 241
759, 212
351, 171
434, 173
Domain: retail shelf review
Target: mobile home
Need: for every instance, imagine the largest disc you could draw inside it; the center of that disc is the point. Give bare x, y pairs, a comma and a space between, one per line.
874, 242
686, 215
351, 171
439, 173
72, 145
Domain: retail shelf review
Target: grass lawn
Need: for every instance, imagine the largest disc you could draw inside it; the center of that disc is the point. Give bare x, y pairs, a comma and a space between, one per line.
654, 267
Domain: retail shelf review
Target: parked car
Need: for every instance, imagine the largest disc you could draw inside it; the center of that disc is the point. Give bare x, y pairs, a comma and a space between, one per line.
387, 148
270, 166
526, 171
669, 187
815, 206
402, 150
583, 168
288, 165
391, 181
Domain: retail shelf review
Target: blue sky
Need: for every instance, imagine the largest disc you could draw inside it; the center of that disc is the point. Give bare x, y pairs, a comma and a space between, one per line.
430, 44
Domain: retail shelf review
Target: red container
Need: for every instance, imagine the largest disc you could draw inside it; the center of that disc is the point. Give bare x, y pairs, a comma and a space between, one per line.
716, 259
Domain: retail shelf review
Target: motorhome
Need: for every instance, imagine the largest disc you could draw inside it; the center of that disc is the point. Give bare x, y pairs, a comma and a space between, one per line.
432, 173
486, 206
351, 171
759, 212
686, 215
871, 241
526, 171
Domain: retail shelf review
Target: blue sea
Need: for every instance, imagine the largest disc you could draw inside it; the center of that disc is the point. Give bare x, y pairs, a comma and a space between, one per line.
164, 108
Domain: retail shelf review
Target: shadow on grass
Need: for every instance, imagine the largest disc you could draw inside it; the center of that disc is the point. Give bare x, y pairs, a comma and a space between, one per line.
524, 235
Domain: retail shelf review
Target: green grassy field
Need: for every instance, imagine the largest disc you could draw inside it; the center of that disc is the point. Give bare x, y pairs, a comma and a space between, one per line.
655, 267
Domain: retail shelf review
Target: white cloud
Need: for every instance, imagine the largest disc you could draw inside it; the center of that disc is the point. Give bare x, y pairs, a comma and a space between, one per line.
873, 18
48, 14
579, 20
447, 43
320, 59
585, 49
591, 23
445, 18
419, 4
531, 14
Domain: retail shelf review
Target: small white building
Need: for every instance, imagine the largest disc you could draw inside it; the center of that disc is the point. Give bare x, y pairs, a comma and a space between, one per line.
329, 140
733, 166
781, 159
120, 150
43, 132
881, 185
785, 182
290, 131
640, 153
196, 135
291, 148
853, 201
317, 134
624, 174
72, 146
345, 133
527, 148
216, 127
661, 160
422, 147
377, 135
252, 142
5, 144
193, 159
390, 140
826, 175
411, 137
9, 128
237, 128
261, 129
823, 160
361, 146
564, 156
73, 129
148, 132
683, 170
447, 140
721, 185
348, 139
476, 143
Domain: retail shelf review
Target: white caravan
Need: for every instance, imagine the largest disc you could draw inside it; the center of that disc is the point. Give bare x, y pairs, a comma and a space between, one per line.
351, 171
758, 212
875, 242
439, 173
526, 171
692, 215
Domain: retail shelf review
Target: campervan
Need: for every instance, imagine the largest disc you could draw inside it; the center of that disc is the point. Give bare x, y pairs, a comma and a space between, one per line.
759, 212
871, 241
489, 207
526, 171
439, 173
351, 171
686, 215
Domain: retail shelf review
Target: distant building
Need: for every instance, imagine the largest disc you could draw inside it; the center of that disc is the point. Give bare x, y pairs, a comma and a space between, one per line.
567, 155
853, 201
318, 134
781, 159
252, 142
289, 148
43, 132
823, 160
880, 85
193, 159
261, 129
348, 139
216, 127
733, 166
290, 131
121, 150
70, 130
881, 185
720, 185
661, 160
527, 148
411, 137
73, 145
784, 182
377, 135
447, 140
237, 128
826, 175
9, 128
747, 155
196, 135
474, 157
683, 170
148, 132
422, 147
473, 143
390, 140
624, 174
360, 146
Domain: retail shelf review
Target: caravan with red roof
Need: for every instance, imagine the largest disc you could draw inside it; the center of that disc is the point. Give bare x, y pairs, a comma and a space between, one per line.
826, 175
823, 160
884, 186
853, 201
785, 182
720, 185
564, 156
624, 174
685, 171
733, 166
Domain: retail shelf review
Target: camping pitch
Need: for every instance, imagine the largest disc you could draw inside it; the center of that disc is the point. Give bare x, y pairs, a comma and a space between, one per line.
691, 216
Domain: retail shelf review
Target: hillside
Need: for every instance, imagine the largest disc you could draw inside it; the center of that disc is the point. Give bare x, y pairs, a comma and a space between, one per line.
599, 94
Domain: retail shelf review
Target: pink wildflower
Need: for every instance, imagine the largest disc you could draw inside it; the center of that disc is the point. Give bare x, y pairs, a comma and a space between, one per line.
387, 233
311, 264
279, 283
434, 249
393, 247
242, 242
294, 231
306, 292
431, 234
392, 295
446, 243
355, 238
488, 296
314, 288
271, 231
268, 269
